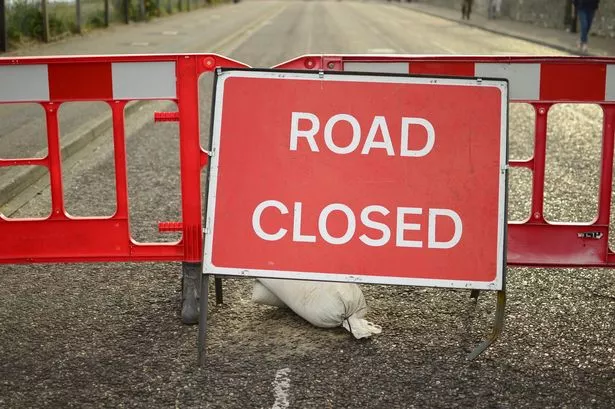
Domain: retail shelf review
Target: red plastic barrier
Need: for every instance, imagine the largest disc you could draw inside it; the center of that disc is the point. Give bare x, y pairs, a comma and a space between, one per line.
115, 80
541, 82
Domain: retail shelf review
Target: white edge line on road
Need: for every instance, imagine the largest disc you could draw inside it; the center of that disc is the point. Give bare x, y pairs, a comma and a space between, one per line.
281, 386
228, 46
445, 48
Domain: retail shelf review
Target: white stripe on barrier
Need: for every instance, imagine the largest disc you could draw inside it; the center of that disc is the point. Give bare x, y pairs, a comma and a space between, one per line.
20, 83
157, 80
135, 80
380, 67
610, 83
523, 79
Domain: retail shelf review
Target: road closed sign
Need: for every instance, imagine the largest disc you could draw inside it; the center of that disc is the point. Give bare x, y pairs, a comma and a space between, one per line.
387, 179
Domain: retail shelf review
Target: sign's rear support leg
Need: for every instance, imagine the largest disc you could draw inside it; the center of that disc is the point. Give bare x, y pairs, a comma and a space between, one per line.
203, 318
474, 294
219, 297
497, 327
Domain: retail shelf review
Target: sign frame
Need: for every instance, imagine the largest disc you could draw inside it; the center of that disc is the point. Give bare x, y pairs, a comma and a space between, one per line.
221, 75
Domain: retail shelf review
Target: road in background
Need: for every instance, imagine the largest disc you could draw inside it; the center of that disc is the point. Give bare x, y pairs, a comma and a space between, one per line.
98, 335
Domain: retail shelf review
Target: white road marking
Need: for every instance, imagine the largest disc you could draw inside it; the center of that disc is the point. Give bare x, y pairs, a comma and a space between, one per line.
310, 36
381, 51
228, 46
281, 385
445, 48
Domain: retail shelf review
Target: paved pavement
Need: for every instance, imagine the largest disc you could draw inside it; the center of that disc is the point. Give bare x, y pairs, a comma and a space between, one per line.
556, 38
109, 334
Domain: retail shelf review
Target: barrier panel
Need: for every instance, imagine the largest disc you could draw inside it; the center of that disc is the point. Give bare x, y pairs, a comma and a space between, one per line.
542, 82
114, 80
539, 81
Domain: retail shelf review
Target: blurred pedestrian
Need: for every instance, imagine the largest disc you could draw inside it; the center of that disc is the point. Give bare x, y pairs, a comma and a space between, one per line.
466, 9
586, 10
494, 8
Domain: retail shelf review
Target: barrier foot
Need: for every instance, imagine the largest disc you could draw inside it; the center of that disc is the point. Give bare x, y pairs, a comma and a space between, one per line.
497, 327
219, 297
203, 319
191, 273
474, 294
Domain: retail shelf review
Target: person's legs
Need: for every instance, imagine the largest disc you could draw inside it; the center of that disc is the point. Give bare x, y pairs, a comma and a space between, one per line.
465, 9
584, 23
586, 18
590, 19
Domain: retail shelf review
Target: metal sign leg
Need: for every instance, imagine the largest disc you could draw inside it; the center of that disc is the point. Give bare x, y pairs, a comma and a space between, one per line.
474, 294
203, 318
497, 327
219, 297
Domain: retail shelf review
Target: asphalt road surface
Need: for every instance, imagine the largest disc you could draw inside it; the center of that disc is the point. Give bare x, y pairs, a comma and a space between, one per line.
109, 335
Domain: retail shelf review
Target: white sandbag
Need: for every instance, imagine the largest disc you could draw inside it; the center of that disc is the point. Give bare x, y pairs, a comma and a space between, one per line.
325, 304
261, 295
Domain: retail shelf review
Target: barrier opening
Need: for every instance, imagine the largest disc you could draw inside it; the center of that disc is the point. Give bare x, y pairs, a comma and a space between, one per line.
571, 186
34, 202
87, 193
152, 150
25, 135
206, 86
23, 139
521, 122
519, 194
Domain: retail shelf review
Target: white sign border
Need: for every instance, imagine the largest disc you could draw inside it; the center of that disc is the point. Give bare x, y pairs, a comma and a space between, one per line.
223, 74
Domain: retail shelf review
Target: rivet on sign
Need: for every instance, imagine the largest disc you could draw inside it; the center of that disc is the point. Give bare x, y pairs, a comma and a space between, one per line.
536, 215
309, 63
331, 65
541, 111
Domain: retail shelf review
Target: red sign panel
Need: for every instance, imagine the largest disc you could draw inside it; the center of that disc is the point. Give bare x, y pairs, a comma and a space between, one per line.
364, 178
